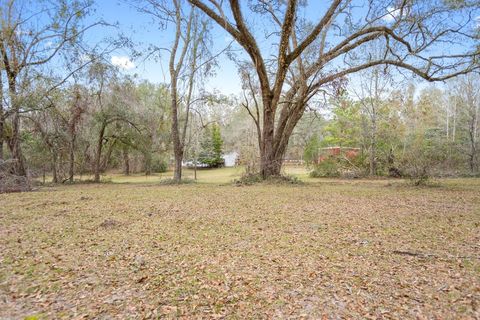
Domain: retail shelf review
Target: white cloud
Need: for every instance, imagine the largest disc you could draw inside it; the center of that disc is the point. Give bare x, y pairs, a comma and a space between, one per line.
84, 58
122, 62
477, 20
392, 14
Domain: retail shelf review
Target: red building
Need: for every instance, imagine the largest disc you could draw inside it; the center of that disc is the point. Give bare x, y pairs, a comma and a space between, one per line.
349, 153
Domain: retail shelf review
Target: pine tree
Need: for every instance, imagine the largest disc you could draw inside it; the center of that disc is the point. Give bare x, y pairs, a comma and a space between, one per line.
217, 144
311, 153
211, 147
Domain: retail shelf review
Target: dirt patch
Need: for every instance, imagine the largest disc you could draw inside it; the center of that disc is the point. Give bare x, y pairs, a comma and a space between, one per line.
110, 223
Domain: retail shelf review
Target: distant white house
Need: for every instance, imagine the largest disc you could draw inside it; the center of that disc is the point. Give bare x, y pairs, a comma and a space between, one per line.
230, 159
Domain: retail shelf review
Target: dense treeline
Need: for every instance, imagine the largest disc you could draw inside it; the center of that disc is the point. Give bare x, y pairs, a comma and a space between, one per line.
68, 111
411, 132
123, 124
82, 130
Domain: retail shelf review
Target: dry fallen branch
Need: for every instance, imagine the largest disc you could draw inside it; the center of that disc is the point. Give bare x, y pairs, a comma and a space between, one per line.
429, 255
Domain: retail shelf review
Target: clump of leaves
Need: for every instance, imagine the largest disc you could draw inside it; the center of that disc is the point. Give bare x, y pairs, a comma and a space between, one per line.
105, 180
251, 179
173, 182
420, 179
248, 179
284, 179
423, 181
10, 182
110, 223
204, 243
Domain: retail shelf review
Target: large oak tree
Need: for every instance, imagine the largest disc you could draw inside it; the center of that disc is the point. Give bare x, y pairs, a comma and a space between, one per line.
432, 39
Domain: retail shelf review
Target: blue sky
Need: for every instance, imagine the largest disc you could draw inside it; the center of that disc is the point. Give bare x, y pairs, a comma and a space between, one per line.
143, 30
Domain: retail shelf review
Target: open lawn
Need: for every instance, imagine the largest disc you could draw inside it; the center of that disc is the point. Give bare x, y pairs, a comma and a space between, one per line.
210, 176
333, 249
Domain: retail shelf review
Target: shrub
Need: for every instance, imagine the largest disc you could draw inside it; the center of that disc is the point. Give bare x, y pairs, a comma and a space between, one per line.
173, 182
424, 155
250, 179
326, 168
159, 165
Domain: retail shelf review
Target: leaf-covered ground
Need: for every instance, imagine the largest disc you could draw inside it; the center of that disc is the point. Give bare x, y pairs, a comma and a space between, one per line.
329, 249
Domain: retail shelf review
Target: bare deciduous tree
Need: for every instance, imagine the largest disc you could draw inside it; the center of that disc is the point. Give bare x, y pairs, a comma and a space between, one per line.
188, 55
467, 94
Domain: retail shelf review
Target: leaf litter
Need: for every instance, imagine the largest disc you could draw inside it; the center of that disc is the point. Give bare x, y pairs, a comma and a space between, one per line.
201, 251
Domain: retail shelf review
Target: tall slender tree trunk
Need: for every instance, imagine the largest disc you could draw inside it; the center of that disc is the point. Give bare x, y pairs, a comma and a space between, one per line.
147, 156
175, 66
17, 154
473, 148
108, 156
373, 163
71, 169
98, 153
454, 129
126, 162
19, 166
2, 119
54, 167
177, 143
373, 149
2, 137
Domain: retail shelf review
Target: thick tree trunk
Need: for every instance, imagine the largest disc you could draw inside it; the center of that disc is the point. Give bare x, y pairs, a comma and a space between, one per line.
177, 173
272, 155
274, 145
270, 162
